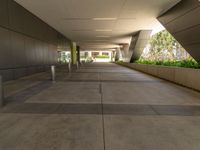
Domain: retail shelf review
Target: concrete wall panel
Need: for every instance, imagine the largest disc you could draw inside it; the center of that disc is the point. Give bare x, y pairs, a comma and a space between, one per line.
4, 21
179, 10
20, 72
26, 42
30, 49
184, 76
183, 22
6, 60
18, 50
193, 49
189, 36
7, 74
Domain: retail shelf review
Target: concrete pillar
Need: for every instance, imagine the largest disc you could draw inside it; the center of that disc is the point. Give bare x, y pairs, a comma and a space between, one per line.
1, 92
118, 54
89, 54
138, 43
78, 55
113, 55
110, 55
73, 53
125, 53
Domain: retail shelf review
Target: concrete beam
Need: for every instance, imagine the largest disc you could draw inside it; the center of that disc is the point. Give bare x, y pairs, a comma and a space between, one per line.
183, 22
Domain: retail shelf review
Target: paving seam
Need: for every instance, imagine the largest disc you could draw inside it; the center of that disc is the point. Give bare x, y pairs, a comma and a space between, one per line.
154, 110
102, 110
115, 81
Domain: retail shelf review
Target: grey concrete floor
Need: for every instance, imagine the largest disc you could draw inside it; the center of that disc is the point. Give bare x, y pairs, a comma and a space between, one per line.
100, 106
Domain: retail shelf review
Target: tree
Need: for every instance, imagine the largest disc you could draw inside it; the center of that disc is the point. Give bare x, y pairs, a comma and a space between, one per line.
163, 46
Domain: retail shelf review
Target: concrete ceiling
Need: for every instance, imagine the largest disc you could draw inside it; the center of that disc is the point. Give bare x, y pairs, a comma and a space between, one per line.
99, 24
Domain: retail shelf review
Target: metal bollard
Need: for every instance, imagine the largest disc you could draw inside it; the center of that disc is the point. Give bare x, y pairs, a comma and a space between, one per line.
77, 65
53, 73
69, 67
1, 92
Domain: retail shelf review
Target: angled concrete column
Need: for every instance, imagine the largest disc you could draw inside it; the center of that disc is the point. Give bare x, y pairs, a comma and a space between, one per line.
132, 52
138, 43
125, 52
89, 54
73, 53
118, 54
113, 55
183, 22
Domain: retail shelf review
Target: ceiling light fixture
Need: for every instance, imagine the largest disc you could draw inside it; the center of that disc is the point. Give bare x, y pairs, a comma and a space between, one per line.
102, 36
103, 30
104, 19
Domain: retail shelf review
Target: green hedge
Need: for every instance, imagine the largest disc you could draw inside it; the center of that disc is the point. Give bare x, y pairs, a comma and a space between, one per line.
184, 63
103, 56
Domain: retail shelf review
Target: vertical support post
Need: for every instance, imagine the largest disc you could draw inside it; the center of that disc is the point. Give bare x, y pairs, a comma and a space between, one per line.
1, 92
77, 65
73, 53
53, 73
118, 54
78, 55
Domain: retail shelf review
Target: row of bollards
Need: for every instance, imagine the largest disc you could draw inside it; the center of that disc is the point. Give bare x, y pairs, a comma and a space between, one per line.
1, 92
53, 78
53, 70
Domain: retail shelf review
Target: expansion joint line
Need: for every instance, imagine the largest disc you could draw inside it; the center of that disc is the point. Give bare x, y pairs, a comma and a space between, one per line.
102, 111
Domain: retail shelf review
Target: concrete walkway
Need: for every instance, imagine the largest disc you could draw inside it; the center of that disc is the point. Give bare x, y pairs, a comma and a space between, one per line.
100, 106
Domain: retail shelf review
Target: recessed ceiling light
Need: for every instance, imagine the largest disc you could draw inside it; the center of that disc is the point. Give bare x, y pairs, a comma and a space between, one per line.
103, 30
80, 30
100, 40
104, 19
94, 40
102, 36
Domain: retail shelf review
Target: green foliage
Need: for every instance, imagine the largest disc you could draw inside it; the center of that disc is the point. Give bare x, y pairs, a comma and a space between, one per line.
191, 63
89, 59
64, 57
163, 46
166, 51
103, 56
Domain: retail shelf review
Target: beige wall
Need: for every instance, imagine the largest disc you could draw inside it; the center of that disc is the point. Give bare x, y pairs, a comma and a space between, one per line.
184, 76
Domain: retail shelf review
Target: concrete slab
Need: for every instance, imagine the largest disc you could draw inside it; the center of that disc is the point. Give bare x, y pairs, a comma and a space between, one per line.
81, 77
152, 133
96, 70
127, 77
69, 92
100, 106
154, 93
50, 132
